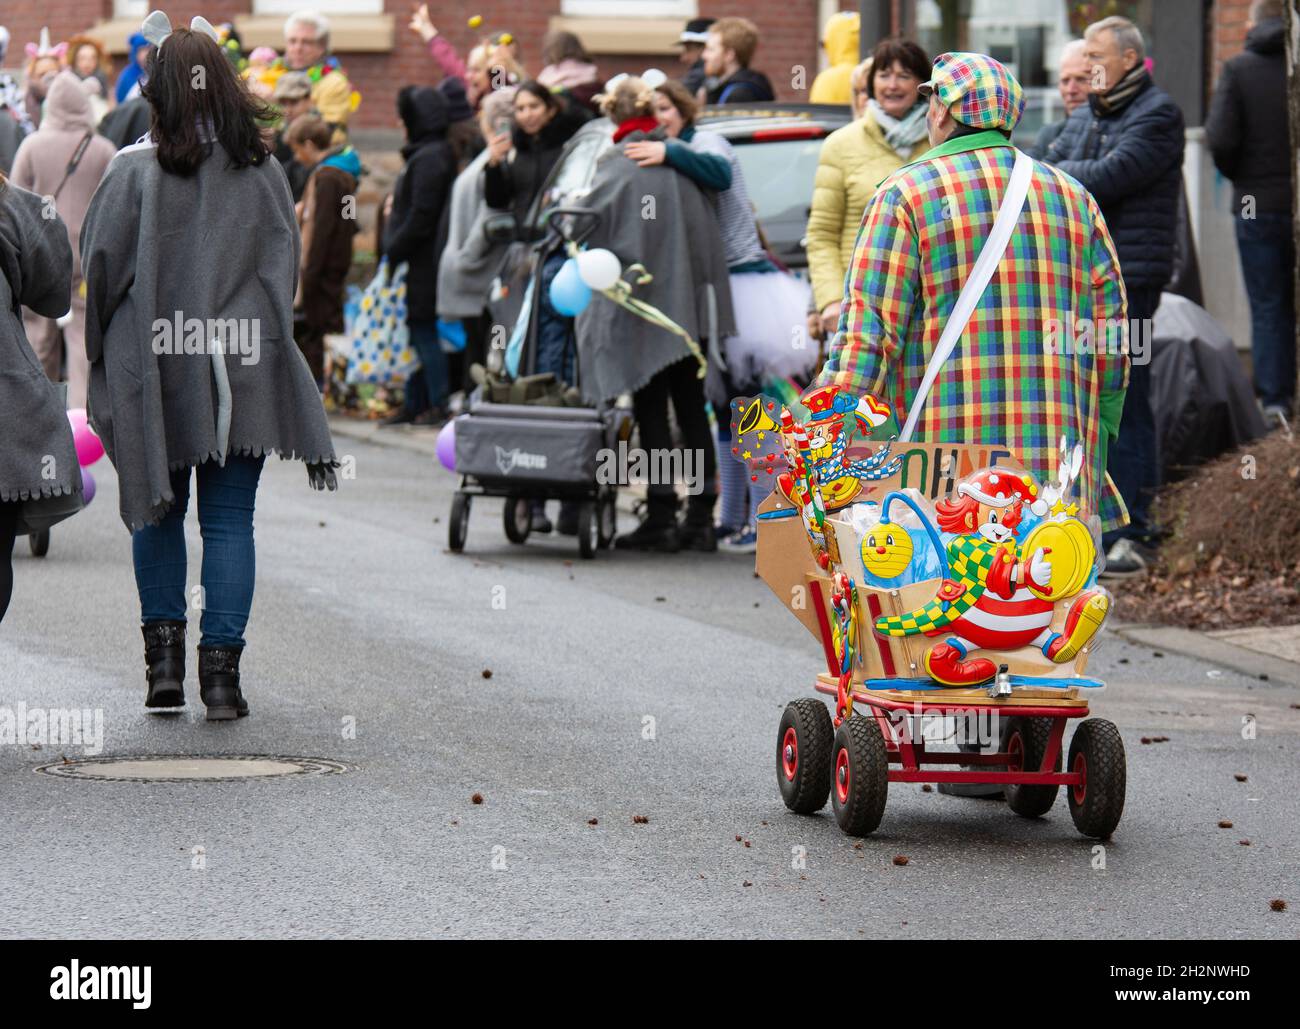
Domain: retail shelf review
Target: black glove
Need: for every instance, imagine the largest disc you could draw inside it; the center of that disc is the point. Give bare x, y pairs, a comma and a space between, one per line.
321, 476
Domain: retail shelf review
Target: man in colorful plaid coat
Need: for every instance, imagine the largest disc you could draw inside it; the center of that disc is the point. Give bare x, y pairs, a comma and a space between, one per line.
1044, 353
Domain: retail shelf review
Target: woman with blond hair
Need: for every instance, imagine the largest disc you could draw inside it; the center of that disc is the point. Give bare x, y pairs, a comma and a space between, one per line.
768, 302
622, 353
489, 66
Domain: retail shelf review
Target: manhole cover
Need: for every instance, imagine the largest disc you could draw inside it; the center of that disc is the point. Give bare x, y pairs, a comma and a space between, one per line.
180, 768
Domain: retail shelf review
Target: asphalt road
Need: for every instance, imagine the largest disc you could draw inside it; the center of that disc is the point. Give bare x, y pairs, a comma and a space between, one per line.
628, 686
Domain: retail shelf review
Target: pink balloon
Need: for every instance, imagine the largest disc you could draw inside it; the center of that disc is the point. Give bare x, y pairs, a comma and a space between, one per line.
90, 448
446, 445
87, 486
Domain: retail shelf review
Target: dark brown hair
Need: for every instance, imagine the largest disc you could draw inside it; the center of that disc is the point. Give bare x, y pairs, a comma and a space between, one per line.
309, 128
197, 100
543, 93
892, 51
681, 99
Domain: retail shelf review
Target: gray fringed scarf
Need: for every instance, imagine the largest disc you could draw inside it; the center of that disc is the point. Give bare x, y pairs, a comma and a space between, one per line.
901, 133
189, 323
38, 463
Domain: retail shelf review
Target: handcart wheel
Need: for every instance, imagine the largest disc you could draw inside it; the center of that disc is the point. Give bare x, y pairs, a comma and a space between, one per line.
39, 543
1026, 741
1097, 753
458, 526
859, 775
518, 517
803, 755
607, 519
588, 530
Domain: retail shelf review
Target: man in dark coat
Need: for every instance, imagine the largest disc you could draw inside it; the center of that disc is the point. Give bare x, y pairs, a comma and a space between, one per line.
292, 95
730, 48
1248, 136
1073, 77
1126, 148
414, 233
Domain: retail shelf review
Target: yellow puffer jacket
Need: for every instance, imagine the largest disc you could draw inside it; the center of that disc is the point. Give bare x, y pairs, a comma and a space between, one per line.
841, 41
854, 159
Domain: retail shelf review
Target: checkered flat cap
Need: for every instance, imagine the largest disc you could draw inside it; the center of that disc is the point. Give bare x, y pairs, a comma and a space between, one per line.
986, 94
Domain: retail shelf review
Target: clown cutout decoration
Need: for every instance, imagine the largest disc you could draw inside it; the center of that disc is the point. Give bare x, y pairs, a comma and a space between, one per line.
1000, 595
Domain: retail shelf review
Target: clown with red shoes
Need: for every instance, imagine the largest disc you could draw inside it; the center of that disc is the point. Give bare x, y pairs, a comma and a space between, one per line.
947, 662
986, 603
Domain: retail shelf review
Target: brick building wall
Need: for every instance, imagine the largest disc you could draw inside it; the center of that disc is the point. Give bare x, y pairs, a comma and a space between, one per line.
65, 18
788, 28
1229, 32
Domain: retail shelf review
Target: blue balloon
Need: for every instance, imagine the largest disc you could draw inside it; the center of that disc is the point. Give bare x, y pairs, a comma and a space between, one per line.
569, 294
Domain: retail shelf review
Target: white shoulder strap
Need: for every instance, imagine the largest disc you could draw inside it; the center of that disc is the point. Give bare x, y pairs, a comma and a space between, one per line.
1013, 201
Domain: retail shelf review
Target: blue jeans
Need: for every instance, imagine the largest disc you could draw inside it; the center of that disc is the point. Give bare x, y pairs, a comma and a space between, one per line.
1133, 459
555, 343
428, 388
1267, 253
226, 497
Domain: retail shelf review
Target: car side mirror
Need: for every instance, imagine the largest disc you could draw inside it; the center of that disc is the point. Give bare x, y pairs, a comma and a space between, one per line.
501, 228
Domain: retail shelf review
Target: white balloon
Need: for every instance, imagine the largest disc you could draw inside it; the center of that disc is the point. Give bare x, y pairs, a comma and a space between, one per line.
599, 268
653, 77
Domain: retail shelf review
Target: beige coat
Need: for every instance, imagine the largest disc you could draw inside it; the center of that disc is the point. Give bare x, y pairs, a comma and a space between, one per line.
854, 159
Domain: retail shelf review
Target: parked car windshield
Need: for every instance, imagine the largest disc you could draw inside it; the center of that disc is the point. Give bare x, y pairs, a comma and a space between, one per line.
779, 175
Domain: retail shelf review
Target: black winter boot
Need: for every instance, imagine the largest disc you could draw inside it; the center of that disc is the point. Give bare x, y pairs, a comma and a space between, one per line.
659, 530
219, 683
164, 658
697, 531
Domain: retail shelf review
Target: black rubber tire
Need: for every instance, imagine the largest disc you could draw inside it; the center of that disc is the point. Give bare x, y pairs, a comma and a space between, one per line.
1098, 751
607, 519
806, 785
588, 530
517, 517
39, 543
1032, 736
458, 524
859, 803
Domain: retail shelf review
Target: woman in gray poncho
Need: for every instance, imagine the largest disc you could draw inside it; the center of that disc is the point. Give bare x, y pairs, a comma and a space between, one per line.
40, 480
189, 331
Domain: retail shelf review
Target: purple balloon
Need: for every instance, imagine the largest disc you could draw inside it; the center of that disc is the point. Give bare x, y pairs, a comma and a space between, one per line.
446, 445
87, 486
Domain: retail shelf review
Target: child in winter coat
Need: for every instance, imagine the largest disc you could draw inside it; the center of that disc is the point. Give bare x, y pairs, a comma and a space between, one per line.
328, 223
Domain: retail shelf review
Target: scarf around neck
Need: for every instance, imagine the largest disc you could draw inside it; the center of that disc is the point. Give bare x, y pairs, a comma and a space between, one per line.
644, 123
901, 133
1118, 97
